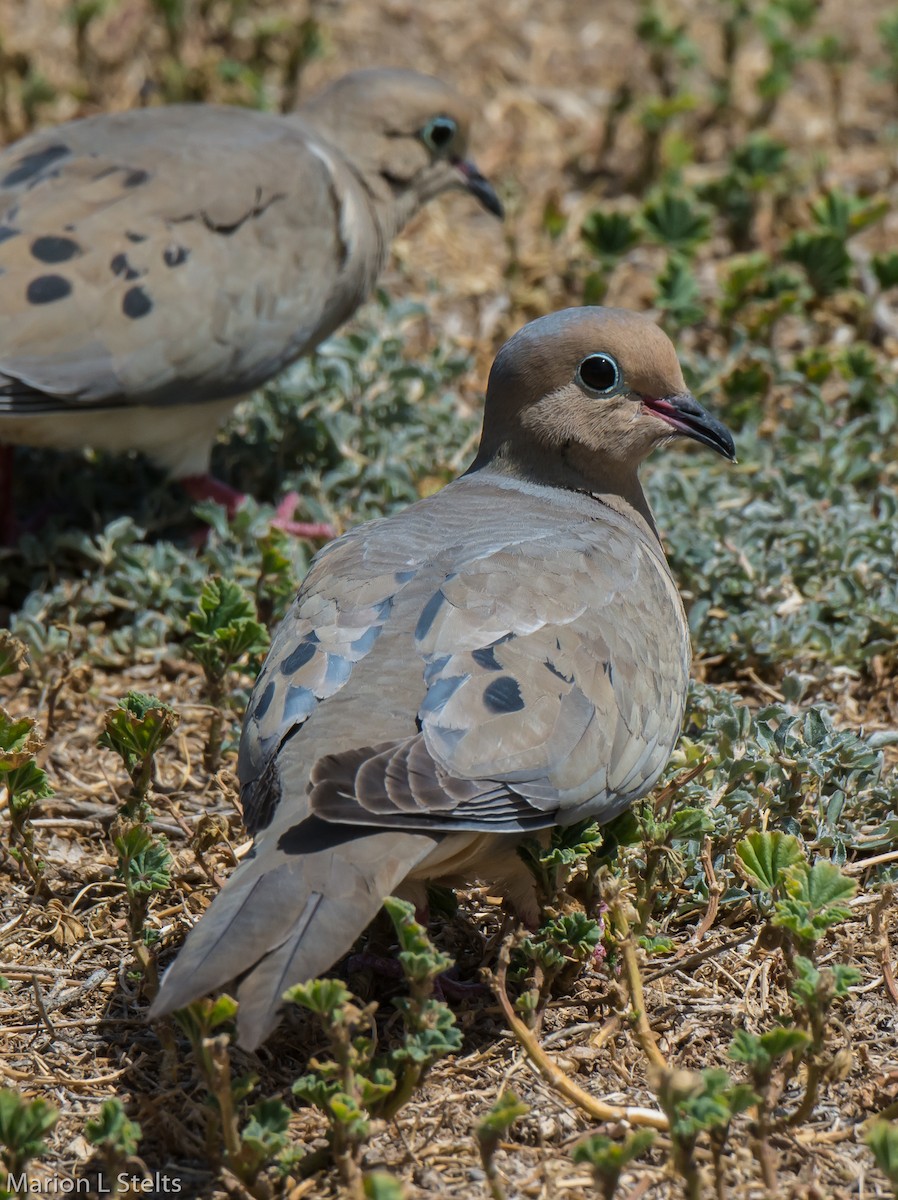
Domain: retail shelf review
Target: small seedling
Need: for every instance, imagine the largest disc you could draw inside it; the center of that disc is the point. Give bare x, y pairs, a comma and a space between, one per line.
115, 1136
144, 866
882, 1138
23, 1124
608, 1158
135, 731
247, 1150
378, 1185
225, 631
26, 783
490, 1132
358, 1085
699, 1103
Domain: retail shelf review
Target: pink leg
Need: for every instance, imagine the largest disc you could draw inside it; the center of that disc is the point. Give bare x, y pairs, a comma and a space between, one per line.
207, 487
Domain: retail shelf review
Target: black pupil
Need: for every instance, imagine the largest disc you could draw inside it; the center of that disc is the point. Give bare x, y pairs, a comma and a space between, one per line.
598, 372
441, 132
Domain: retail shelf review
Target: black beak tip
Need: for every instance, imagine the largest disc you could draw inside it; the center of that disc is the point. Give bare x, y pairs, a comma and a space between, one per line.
480, 188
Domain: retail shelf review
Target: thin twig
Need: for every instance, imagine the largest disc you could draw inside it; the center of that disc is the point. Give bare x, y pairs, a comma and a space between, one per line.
882, 937
553, 1075
642, 1028
715, 891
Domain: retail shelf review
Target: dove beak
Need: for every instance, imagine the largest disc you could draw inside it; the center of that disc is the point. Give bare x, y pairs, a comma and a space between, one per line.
687, 417
478, 185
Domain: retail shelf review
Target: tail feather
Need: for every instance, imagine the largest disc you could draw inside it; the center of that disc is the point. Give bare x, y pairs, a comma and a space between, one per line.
285, 917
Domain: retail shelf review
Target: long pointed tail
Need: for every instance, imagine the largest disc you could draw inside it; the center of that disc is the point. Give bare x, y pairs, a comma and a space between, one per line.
287, 914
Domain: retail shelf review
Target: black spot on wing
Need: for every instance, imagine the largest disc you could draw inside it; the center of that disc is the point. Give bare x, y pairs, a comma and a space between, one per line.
486, 658
136, 303
135, 237
264, 702
119, 265
48, 288
33, 164
305, 651
54, 249
503, 695
136, 178
174, 256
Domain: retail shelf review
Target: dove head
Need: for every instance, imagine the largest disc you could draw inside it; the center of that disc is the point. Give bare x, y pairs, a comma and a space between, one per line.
579, 398
406, 135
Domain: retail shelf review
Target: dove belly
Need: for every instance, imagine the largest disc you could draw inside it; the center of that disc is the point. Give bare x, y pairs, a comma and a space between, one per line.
177, 438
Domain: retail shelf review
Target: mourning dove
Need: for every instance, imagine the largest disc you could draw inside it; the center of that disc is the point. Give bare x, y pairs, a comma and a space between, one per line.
158, 265
505, 656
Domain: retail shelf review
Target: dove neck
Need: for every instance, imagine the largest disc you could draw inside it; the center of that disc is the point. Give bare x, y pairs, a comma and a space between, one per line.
607, 480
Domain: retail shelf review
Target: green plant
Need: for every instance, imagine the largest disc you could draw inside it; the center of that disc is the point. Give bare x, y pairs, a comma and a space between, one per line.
699, 1103
882, 1138
114, 1135
23, 1126
262, 1136
608, 1158
225, 631
358, 1084
26, 783
490, 1132
144, 866
135, 731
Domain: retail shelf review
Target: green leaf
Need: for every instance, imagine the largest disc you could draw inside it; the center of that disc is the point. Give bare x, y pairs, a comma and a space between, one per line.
225, 627
675, 222
503, 1114
200, 1018
327, 998
761, 1052
823, 255
882, 1138
823, 887
609, 234
608, 1158
688, 824
762, 859
112, 1131
23, 1124
145, 862
885, 268
378, 1185
137, 728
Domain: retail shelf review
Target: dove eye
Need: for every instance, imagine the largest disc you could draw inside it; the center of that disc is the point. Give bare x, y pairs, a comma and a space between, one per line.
599, 374
439, 134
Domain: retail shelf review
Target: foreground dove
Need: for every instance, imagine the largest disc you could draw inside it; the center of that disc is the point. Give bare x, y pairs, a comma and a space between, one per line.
158, 265
507, 655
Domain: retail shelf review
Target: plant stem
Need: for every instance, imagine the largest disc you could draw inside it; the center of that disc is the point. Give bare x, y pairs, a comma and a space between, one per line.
643, 1029
553, 1074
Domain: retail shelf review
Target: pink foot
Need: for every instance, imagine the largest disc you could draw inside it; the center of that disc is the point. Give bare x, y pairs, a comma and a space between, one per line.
207, 487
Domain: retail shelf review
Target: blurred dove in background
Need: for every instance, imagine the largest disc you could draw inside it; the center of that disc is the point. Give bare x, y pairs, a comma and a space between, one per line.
158, 265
